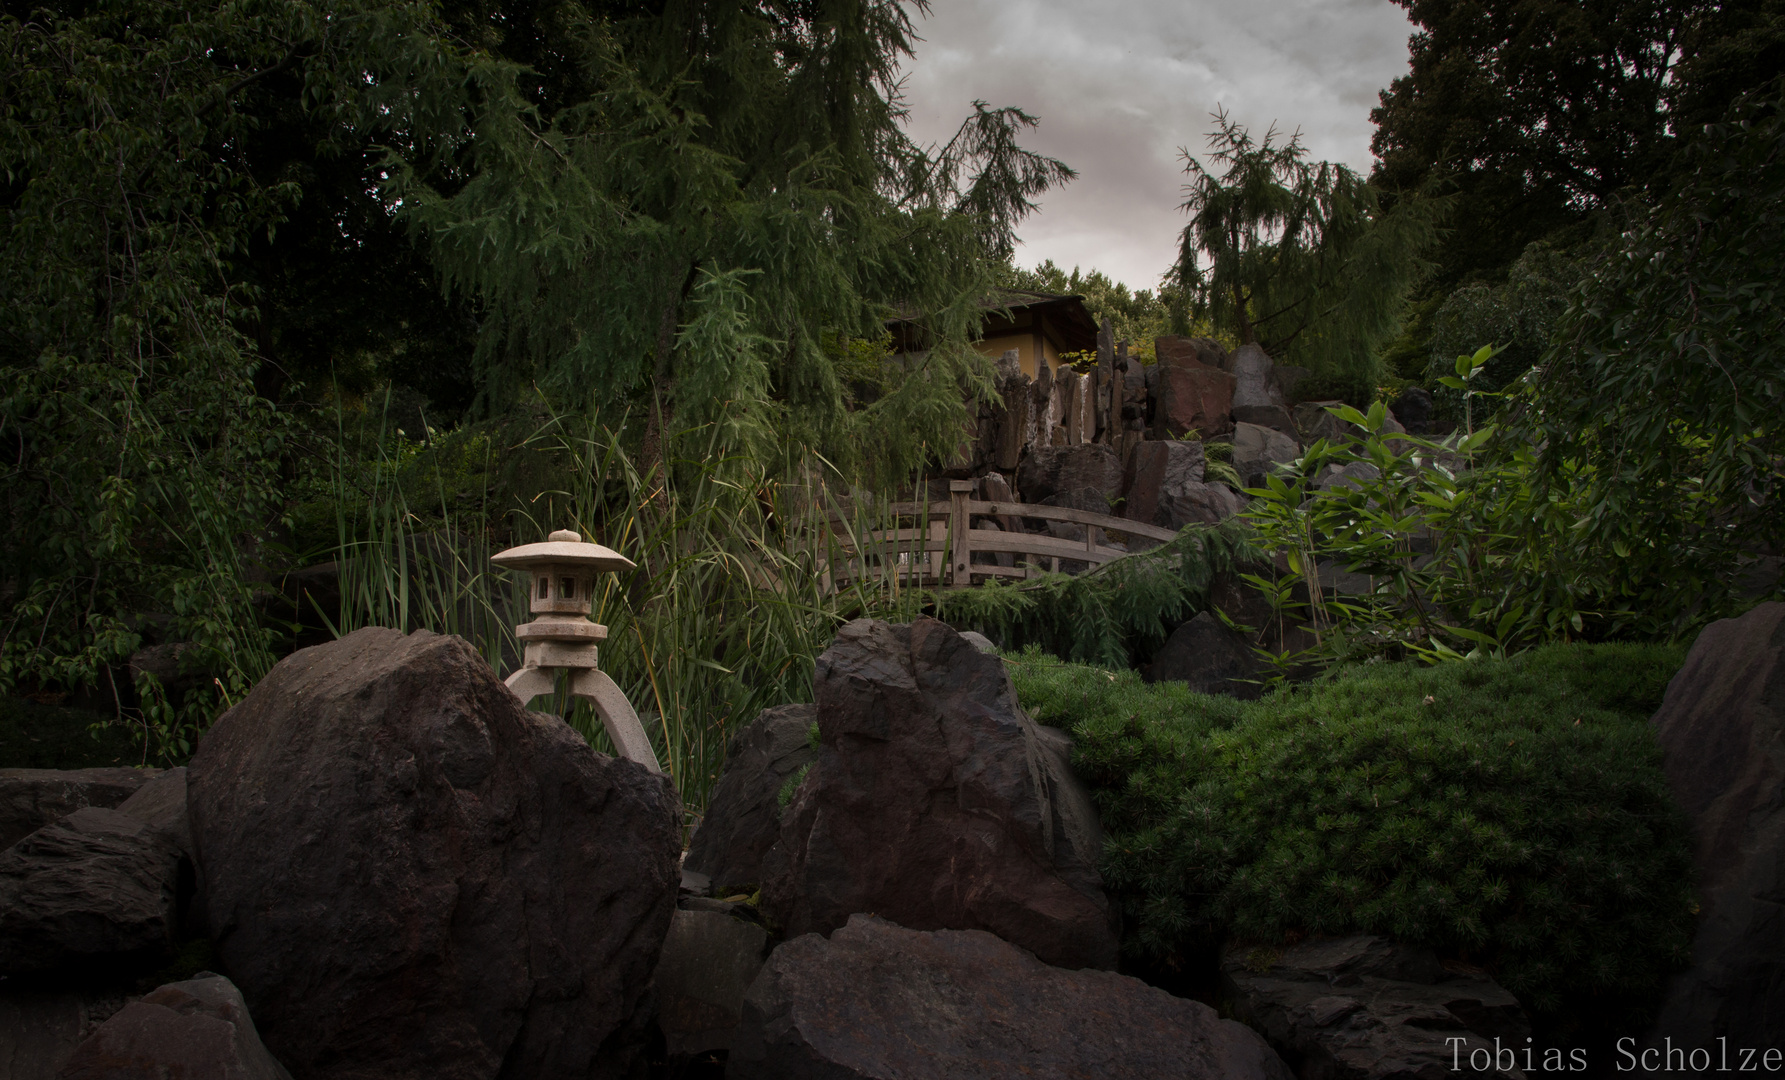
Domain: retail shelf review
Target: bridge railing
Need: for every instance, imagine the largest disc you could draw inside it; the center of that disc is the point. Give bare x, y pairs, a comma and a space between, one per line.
937, 549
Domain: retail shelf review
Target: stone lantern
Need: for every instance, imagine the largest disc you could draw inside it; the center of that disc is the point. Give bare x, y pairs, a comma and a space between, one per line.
561, 638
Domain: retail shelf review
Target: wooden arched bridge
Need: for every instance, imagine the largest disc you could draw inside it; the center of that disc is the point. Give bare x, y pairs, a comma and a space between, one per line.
960, 541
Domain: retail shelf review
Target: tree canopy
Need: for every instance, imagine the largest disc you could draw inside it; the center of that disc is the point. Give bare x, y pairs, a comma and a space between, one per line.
1302, 258
658, 210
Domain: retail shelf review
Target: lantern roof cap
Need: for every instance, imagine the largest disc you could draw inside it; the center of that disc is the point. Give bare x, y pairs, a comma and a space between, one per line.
562, 547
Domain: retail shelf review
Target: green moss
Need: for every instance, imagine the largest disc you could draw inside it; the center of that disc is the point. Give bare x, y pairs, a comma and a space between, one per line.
1510, 813
36, 736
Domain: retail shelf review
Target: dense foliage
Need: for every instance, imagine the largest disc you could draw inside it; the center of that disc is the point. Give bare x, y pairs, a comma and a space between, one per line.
1115, 615
1301, 258
1534, 113
1136, 317
1509, 813
217, 219
1662, 403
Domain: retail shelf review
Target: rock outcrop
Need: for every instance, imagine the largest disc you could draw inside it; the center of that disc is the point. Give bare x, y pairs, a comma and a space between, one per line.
408, 874
33, 798
1209, 658
1193, 399
1363, 1008
196, 1028
97, 889
1166, 488
1722, 731
710, 958
40, 1028
743, 818
1258, 449
878, 1001
1050, 470
938, 803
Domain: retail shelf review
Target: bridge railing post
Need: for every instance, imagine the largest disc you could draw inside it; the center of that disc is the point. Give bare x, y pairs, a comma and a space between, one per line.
960, 532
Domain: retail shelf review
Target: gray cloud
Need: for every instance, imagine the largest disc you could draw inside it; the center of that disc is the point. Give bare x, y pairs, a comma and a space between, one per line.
1120, 85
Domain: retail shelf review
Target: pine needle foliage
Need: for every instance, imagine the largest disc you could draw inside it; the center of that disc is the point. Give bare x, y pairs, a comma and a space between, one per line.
1304, 259
731, 187
1508, 813
1115, 615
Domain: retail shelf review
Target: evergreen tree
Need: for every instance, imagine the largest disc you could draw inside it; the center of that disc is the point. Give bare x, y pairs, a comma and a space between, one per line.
735, 185
1301, 258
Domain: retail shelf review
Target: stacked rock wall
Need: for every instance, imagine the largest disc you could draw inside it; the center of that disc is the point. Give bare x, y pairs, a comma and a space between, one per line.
1094, 440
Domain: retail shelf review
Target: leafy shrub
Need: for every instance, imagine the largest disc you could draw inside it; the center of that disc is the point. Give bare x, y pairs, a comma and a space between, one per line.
1113, 615
1509, 813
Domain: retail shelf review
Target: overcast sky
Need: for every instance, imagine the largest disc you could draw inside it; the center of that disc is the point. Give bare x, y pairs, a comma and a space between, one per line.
1120, 85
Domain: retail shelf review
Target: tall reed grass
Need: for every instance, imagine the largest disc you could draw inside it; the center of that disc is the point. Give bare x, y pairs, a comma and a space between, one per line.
724, 615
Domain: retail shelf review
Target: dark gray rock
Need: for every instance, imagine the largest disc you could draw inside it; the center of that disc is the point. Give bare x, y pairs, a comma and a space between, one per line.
938, 803
39, 1029
1258, 450
1363, 1008
33, 798
1156, 468
743, 817
1209, 658
1166, 487
1254, 383
1313, 422
980, 641
1352, 475
197, 1028
1051, 469
878, 1001
1275, 417
1722, 730
98, 887
1414, 408
162, 803
408, 874
709, 960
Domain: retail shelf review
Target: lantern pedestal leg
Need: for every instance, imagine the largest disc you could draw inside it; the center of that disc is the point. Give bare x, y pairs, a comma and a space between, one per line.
594, 686
531, 682
617, 716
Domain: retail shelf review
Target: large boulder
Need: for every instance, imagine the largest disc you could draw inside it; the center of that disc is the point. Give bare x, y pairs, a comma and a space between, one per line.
40, 1028
33, 798
1314, 422
878, 1001
1275, 417
1414, 409
938, 803
709, 960
1258, 449
1175, 351
1722, 731
1254, 378
98, 889
162, 803
743, 817
1166, 488
1193, 399
1050, 469
1209, 658
1364, 1008
409, 874
197, 1028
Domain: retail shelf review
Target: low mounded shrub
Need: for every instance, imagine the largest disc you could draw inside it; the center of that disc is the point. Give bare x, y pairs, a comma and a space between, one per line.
1509, 813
